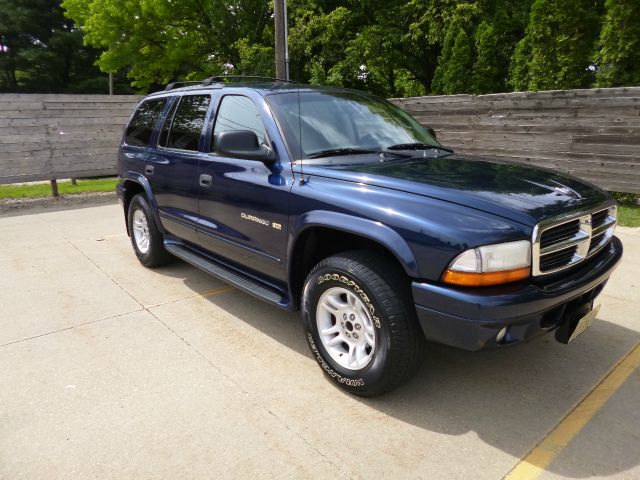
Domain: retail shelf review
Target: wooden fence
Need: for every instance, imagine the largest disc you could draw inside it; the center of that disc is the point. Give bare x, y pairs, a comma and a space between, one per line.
44, 137
593, 134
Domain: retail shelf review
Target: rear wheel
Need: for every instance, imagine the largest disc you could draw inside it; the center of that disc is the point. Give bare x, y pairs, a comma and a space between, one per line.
360, 322
146, 238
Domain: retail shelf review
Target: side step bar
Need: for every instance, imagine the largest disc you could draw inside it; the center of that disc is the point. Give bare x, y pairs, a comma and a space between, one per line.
224, 273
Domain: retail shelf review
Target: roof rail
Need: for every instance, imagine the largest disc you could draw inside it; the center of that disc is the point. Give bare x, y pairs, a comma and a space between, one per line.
172, 85
221, 79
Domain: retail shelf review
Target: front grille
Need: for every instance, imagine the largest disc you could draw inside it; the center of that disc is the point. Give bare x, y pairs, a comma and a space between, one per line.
557, 259
599, 218
559, 233
561, 244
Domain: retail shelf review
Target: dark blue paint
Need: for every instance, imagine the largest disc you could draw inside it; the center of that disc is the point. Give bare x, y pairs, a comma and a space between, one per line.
423, 210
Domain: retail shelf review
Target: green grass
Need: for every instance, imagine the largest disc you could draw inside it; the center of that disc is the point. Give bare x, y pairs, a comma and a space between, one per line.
64, 188
628, 212
628, 209
629, 215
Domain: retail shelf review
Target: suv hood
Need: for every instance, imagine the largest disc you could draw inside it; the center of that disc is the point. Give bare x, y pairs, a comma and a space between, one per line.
517, 192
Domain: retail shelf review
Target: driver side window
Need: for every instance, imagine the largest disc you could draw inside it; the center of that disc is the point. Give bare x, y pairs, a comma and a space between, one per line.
238, 113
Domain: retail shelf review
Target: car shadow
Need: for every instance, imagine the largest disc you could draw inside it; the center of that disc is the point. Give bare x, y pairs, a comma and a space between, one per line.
511, 398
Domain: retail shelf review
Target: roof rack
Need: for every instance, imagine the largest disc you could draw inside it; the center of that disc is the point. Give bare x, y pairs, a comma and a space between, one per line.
172, 85
222, 78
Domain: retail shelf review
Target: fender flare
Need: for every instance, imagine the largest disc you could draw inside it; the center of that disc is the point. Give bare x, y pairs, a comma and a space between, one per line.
146, 186
370, 229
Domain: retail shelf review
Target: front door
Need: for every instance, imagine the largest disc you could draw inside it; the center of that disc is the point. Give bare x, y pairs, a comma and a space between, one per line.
244, 204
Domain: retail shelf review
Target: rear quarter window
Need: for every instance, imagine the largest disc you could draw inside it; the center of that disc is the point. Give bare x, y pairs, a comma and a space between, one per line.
140, 128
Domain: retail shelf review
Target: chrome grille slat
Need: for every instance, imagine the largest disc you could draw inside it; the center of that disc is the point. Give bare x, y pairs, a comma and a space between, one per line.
561, 243
608, 222
569, 242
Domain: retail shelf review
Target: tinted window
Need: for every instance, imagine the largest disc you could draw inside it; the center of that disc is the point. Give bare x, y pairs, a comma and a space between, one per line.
164, 133
239, 113
188, 122
141, 126
317, 121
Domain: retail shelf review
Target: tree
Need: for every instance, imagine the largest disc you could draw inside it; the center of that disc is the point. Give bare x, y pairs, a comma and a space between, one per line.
486, 73
42, 51
557, 48
618, 54
163, 40
456, 75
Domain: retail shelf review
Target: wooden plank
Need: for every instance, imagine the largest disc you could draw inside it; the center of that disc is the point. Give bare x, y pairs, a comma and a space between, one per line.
67, 97
59, 136
21, 106
56, 129
78, 146
84, 113
67, 121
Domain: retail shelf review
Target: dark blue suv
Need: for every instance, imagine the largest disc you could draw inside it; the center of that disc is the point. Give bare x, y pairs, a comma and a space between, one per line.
339, 204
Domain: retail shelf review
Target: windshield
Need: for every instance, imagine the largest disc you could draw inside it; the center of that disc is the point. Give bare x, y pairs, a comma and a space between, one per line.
325, 121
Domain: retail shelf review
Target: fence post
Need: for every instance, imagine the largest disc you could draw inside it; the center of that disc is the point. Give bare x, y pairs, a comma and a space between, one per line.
54, 187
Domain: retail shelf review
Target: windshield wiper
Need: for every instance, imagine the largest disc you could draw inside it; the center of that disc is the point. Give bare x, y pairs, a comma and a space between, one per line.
334, 152
417, 146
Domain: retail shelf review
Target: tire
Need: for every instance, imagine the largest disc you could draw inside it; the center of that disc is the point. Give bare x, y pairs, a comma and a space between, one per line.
146, 238
362, 292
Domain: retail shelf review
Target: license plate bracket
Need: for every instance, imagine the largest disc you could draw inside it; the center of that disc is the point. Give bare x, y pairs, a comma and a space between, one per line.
576, 324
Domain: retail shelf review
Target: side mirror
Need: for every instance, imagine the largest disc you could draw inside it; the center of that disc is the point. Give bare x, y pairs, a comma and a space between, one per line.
242, 144
431, 132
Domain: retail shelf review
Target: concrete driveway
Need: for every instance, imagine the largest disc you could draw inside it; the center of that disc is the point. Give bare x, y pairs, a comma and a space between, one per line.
110, 370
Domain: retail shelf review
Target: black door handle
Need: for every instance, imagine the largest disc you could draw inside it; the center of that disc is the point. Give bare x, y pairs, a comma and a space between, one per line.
205, 180
148, 169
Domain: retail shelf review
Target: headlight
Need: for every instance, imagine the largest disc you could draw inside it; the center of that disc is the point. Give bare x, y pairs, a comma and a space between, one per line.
491, 265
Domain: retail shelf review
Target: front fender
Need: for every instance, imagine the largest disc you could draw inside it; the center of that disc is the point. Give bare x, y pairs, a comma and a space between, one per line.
372, 230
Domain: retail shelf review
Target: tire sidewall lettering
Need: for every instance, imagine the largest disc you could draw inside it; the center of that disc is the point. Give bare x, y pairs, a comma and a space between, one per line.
356, 288
356, 382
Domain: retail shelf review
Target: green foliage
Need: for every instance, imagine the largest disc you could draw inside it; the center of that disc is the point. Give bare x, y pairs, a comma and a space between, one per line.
486, 71
519, 77
618, 55
456, 75
392, 47
42, 51
557, 48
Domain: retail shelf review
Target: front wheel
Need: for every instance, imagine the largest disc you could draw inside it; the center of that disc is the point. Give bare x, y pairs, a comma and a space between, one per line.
360, 322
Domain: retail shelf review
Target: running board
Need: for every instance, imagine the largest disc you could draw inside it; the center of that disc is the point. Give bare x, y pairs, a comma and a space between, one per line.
224, 273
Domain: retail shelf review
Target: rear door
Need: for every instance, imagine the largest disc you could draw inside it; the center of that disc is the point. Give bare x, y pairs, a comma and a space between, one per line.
244, 204
173, 165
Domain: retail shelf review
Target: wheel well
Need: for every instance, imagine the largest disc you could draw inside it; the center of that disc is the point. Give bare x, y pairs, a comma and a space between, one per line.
131, 189
315, 244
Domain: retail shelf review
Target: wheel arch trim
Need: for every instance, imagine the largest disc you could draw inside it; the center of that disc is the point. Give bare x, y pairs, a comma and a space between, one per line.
146, 187
362, 227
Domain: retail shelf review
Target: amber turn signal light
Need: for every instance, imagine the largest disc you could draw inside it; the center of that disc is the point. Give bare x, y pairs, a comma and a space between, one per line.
472, 279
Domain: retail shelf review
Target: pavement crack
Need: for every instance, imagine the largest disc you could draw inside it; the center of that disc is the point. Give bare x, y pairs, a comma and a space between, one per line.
303, 439
246, 394
202, 355
117, 284
71, 327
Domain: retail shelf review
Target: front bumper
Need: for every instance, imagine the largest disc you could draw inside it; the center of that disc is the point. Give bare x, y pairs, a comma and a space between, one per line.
471, 318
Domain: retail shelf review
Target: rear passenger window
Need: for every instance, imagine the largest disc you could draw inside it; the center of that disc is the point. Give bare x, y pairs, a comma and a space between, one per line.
239, 113
164, 133
140, 128
188, 122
